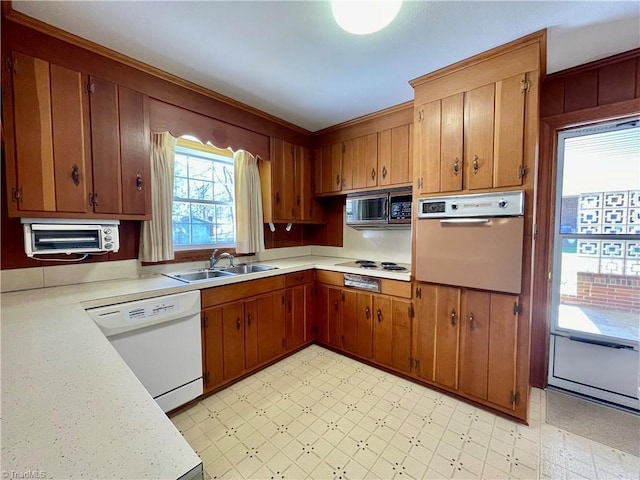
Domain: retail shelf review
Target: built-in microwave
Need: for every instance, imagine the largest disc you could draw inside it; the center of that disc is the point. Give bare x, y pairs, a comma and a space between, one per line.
53, 236
382, 209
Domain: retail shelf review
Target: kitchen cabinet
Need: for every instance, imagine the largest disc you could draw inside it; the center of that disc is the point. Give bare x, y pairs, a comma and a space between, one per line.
287, 185
299, 309
466, 341
372, 326
360, 163
473, 139
394, 156
81, 144
243, 327
392, 332
329, 158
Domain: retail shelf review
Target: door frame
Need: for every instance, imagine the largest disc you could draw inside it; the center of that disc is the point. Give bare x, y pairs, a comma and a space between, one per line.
546, 187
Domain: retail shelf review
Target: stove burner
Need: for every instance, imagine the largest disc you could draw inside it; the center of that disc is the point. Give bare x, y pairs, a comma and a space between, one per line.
388, 264
361, 262
394, 268
368, 265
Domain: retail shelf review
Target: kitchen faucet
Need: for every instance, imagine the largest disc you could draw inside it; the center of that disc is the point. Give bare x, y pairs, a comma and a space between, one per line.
213, 260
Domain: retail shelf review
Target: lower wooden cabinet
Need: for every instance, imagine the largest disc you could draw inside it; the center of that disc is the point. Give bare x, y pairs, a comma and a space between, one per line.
466, 341
299, 305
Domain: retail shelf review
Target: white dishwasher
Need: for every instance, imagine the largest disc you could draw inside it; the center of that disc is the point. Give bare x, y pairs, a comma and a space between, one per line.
160, 339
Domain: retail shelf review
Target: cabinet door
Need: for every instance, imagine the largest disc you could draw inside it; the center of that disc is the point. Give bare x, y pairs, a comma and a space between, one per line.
331, 168
271, 325
349, 160
503, 349
451, 143
134, 152
311, 312
509, 131
71, 131
33, 134
233, 339
350, 321
317, 171
479, 125
364, 161
382, 330
212, 356
365, 325
474, 343
250, 334
401, 334
394, 156
427, 148
294, 316
447, 332
424, 330
324, 308
283, 180
105, 147
305, 204
335, 317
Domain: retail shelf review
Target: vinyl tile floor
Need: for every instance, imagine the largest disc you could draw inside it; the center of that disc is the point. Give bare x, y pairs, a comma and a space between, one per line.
320, 415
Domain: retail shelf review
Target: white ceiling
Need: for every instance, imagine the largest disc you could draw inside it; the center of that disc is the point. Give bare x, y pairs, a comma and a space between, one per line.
290, 59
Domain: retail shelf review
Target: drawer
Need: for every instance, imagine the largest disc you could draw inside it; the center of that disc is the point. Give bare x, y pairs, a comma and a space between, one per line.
239, 291
331, 278
299, 278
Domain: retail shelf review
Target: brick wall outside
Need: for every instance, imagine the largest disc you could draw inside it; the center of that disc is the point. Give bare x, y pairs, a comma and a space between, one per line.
615, 292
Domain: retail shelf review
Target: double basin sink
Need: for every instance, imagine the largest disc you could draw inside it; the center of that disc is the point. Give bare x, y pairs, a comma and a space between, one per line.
212, 273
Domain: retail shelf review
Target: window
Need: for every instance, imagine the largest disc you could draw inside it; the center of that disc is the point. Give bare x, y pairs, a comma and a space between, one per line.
203, 197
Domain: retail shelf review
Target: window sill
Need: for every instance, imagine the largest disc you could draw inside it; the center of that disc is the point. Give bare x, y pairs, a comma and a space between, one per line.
182, 256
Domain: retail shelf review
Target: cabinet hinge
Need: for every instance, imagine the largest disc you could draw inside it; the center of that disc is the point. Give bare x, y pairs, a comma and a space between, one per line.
522, 171
11, 65
411, 312
420, 115
517, 308
418, 292
515, 398
525, 85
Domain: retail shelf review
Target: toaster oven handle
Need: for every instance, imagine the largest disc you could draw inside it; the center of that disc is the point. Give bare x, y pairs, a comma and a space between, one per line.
465, 220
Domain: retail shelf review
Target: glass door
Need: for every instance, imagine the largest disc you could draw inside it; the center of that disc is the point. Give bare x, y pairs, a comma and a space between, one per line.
596, 268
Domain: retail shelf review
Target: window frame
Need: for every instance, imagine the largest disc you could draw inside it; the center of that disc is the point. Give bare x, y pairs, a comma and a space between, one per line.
202, 251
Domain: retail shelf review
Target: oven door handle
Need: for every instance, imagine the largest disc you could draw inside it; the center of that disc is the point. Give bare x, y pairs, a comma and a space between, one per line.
465, 220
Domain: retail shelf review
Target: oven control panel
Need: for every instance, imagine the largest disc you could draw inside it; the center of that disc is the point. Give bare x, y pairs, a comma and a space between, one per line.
499, 204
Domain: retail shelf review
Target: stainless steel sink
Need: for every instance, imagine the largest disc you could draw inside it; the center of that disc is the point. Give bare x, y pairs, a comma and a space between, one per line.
248, 268
200, 275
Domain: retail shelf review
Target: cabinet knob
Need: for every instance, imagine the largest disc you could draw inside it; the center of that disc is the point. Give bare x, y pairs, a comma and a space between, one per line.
238, 323
456, 166
75, 175
335, 305
379, 313
453, 317
471, 324
384, 172
475, 164
373, 174
367, 313
337, 179
139, 181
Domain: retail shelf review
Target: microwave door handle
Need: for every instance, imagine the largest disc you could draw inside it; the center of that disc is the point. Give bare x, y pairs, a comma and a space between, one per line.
386, 208
465, 220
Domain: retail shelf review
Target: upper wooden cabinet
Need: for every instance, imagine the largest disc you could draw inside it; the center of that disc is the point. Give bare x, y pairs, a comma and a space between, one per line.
287, 182
473, 140
77, 146
375, 160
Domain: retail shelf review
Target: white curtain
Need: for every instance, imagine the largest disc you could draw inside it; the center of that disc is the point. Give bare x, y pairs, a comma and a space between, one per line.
249, 227
156, 238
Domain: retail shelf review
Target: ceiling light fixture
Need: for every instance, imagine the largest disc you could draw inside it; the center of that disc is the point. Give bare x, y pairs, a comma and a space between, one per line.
363, 17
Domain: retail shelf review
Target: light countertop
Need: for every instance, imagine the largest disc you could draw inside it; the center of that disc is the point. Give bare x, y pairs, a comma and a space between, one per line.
72, 407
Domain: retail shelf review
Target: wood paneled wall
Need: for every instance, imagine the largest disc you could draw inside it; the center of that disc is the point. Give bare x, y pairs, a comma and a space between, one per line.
599, 91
